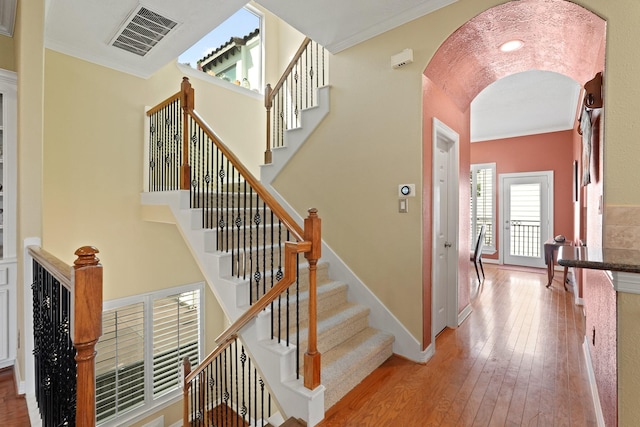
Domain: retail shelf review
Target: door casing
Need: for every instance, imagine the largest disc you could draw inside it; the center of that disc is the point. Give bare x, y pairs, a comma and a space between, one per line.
442, 134
547, 210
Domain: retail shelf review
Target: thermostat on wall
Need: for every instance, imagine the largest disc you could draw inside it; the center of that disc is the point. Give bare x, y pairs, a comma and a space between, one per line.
406, 190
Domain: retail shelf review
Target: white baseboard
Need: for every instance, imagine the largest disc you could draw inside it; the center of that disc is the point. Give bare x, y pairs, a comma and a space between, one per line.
592, 384
19, 382
34, 412
462, 316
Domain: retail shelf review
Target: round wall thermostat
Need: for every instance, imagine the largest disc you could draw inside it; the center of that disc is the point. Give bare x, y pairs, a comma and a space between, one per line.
406, 190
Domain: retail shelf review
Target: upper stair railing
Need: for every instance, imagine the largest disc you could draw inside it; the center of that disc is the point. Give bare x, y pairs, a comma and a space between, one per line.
295, 91
248, 223
67, 322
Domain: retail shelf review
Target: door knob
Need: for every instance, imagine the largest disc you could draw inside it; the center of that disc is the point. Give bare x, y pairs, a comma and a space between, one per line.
447, 244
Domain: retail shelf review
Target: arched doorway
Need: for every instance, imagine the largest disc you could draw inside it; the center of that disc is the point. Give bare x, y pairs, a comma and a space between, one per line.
469, 61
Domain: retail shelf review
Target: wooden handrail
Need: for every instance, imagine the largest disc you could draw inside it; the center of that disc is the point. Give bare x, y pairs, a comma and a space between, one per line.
291, 249
170, 100
271, 202
58, 269
289, 278
211, 357
287, 71
311, 247
270, 93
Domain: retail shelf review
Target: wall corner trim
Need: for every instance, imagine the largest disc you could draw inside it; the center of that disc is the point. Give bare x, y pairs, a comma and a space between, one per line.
626, 282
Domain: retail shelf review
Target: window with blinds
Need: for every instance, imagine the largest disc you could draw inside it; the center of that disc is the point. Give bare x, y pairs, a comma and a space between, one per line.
483, 203
175, 336
139, 356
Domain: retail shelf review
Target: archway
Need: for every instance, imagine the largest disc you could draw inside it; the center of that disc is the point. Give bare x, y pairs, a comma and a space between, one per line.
558, 36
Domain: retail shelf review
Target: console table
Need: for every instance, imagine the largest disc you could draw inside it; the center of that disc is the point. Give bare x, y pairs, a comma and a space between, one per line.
550, 249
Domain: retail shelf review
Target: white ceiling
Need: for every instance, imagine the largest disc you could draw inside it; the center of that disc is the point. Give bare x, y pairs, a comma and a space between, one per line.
526, 103
85, 28
340, 24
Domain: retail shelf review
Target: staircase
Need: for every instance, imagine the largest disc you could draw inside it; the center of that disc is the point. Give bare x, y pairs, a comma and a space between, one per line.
350, 348
348, 336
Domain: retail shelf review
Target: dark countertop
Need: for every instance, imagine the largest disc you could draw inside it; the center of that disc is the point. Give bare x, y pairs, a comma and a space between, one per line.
626, 260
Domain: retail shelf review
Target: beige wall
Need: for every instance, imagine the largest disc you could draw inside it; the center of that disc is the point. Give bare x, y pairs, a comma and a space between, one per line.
7, 53
93, 170
372, 142
628, 357
29, 48
371, 139
281, 41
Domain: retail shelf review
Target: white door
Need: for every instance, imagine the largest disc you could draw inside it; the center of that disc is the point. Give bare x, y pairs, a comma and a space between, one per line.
527, 217
445, 225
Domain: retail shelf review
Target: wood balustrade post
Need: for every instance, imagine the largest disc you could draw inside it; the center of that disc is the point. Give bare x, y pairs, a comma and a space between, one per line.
186, 370
187, 103
87, 280
312, 358
268, 103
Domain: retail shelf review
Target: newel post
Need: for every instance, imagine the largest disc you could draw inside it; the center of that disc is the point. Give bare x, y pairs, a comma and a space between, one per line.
87, 280
312, 233
268, 102
187, 103
186, 370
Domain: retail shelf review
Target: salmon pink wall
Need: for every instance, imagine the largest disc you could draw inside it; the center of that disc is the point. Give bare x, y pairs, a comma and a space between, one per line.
437, 104
542, 152
600, 299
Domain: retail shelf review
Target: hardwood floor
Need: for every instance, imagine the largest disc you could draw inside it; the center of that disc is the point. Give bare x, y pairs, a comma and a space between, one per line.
13, 408
516, 361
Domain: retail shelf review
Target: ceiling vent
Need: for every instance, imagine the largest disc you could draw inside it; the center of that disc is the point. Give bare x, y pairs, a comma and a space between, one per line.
142, 31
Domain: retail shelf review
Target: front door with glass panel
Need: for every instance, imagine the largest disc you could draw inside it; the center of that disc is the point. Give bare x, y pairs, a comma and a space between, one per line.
527, 220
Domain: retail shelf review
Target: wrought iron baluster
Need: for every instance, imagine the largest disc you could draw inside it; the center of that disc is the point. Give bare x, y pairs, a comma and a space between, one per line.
54, 353
243, 408
244, 232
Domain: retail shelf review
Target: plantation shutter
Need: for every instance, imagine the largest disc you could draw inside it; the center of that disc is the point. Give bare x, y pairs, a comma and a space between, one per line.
176, 329
120, 362
484, 202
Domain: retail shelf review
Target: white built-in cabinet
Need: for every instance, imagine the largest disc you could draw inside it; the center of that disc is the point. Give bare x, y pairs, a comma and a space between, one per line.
8, 178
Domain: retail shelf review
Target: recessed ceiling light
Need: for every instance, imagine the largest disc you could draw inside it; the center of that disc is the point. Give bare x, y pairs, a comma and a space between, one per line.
511, 45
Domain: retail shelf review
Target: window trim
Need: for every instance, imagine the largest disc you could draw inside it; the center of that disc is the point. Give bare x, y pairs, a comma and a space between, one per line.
257, 93
487, 249
150, 404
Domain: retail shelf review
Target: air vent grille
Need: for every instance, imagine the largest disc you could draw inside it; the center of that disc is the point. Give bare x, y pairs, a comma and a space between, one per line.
143, 31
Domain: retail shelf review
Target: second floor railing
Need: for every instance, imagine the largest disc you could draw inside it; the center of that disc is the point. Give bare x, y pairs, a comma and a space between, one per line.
294, 92
67, 322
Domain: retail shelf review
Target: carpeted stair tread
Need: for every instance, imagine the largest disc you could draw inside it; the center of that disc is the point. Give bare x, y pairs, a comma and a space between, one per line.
329, 295
346, 365
337, 325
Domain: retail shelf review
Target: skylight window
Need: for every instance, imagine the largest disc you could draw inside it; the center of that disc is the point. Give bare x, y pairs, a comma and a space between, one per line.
232, 51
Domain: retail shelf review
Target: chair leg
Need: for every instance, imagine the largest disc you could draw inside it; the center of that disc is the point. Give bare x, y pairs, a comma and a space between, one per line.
477, 272
481, 268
